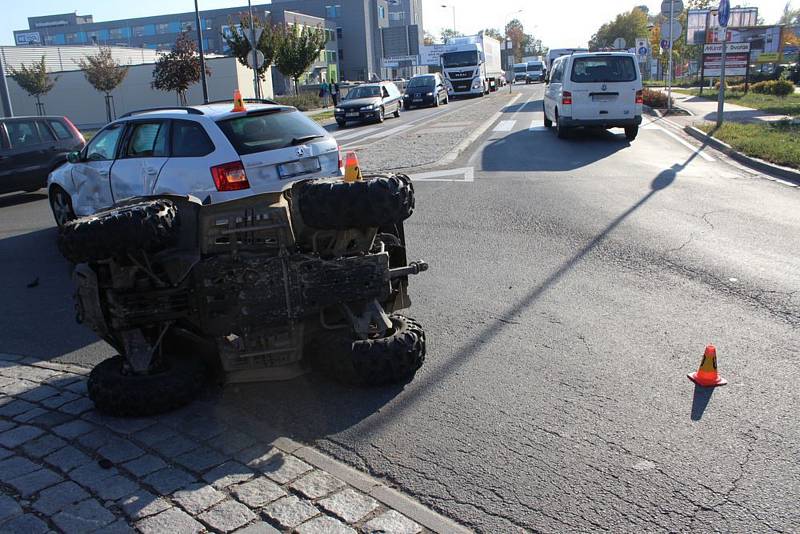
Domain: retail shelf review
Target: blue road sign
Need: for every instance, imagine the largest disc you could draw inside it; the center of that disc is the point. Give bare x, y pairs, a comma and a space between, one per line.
664, 44
724, 15
643, 51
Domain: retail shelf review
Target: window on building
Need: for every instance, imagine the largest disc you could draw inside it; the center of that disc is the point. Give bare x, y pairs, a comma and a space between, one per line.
59, 39
187, 26
162, 27
141, 31
206, 24
71, 38
333, 11
330, 56
119, 33
341, 55
338, 33
381, 12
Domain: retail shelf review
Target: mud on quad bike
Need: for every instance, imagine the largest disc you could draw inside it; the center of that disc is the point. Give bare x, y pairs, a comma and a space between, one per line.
259, 288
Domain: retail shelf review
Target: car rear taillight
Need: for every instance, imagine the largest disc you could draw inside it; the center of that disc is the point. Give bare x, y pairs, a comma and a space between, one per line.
639, 97
75, 130
566, 98
230, 176
341, 162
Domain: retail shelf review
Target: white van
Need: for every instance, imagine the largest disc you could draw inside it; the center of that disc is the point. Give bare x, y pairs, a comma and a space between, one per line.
600, 89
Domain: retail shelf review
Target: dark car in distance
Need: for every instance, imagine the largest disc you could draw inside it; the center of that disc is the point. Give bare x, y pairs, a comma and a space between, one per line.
369, 102
425, 90
32, 147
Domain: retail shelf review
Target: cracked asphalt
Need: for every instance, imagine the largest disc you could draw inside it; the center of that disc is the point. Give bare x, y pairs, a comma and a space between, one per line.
573, 284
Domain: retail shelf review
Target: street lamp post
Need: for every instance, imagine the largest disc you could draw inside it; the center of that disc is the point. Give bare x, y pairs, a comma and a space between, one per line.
203, 80
454, 16
254, 46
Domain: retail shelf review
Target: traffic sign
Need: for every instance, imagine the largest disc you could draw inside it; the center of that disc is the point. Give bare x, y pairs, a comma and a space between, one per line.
724, 13
619, 43
249, 35
677, 30
259, 59
664, 44
677, 7
643, 51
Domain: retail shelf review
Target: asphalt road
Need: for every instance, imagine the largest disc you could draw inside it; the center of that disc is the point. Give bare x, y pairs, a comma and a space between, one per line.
573, 284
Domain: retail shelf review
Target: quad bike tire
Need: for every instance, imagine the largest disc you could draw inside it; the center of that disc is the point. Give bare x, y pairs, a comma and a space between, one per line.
120, 395
377, 200
148, 225
393, 359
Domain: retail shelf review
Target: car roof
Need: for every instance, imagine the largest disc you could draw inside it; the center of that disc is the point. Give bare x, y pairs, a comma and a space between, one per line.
22, 117
214, 111
593, 54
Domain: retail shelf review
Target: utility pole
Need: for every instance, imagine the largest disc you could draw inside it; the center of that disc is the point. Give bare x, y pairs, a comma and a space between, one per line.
203, 80
253, 46
721, 94
8, 111
669, 72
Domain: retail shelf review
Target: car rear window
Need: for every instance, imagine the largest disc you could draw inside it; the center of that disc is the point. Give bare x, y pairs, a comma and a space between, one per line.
603, 69
269, 130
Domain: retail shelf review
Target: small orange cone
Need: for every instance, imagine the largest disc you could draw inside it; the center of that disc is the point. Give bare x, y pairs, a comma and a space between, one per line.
707, 375
238, 102
352, 171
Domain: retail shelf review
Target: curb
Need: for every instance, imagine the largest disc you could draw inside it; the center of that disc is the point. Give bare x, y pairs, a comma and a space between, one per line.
785, 173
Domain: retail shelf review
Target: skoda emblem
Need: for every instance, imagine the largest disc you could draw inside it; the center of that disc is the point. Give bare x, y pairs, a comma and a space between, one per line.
301, 151
604, 87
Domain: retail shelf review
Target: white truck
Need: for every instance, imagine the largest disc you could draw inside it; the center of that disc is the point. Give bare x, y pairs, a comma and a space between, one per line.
471, 65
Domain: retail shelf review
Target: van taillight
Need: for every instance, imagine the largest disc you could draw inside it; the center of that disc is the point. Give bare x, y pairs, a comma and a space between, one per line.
639, 97
566, 98
230, 176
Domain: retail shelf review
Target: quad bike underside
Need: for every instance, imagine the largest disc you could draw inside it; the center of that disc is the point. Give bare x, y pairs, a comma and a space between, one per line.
247, 288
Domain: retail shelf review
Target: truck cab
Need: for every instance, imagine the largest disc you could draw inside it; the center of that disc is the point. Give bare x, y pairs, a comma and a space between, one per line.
471, 65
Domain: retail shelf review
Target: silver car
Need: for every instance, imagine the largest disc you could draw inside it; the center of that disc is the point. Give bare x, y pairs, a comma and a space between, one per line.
208, 151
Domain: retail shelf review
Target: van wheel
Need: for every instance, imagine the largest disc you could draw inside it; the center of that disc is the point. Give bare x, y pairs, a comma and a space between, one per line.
561, 131
397, 111
547, 122
631, 132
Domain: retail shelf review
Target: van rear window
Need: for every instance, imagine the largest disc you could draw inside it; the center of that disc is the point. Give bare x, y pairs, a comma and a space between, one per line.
603, 69
269, 130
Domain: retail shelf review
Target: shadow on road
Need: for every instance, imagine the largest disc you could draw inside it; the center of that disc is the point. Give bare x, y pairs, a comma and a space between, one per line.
525, 151
39, 320
20, 198
701, 398
530, 106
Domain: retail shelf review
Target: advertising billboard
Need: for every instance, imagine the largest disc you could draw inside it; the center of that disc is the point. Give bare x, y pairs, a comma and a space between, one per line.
737, 58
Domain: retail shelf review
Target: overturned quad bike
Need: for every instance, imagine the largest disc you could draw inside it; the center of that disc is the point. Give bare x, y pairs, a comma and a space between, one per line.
259, 288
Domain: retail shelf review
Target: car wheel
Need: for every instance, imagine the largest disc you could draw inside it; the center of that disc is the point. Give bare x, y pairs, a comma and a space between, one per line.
381, 116
341, 124
61, 204
397, 111
446, 100
436, 102
631, 132
561, 130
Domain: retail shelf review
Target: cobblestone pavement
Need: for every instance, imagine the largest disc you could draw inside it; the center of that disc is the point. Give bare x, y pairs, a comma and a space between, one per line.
65, 467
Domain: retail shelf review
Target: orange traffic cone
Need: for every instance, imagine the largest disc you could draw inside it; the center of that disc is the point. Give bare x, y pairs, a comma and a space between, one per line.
707, 375
352, 172
238, 102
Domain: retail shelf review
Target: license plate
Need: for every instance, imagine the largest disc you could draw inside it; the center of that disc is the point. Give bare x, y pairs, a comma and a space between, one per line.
603, 98
297, 168
351, 114
418, 99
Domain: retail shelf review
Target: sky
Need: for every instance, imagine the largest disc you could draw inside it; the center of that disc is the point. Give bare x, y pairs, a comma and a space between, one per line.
558, 23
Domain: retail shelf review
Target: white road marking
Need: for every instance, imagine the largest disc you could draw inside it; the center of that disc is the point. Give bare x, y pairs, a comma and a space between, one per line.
505, 126
465, 174
537, 126
695, 150
386, 133
349, 135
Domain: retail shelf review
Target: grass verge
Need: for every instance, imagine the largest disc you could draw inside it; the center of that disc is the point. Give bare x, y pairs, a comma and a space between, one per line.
323, 117
788, 105
778, 143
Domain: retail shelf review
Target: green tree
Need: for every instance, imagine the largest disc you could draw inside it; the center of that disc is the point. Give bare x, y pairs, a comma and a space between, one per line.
629, 26
268, 43
515, 33
449, 33
35, 81
790, 15
494, 32
104, 73
298, 49
178, 69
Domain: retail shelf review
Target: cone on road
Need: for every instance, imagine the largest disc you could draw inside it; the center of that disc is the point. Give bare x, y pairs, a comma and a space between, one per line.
352, 171
238, 102
707, 375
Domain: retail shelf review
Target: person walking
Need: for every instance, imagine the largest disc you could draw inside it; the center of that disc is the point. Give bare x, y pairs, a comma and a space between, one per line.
335, 94
323, 93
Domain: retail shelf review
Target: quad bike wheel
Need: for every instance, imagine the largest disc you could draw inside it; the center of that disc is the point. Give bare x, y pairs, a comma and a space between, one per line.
121, 395
393, 359
148, 225
377, 200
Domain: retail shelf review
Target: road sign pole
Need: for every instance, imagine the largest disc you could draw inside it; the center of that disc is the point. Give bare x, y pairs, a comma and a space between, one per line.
669, 72
202, 53
254, 47
721, 94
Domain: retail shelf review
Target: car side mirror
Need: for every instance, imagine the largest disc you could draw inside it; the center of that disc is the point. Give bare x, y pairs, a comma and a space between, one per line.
74, 157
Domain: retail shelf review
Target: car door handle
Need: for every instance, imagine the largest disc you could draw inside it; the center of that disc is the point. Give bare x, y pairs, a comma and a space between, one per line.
151, 170
103, 172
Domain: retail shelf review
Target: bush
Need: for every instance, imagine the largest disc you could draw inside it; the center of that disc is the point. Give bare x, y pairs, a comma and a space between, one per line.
305, 101
654, 99
773, 87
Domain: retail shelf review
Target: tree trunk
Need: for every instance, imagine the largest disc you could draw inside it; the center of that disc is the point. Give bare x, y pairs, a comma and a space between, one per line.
296, 85
182, 98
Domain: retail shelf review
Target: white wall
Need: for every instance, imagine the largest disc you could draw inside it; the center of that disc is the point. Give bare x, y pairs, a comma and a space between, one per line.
75, 98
